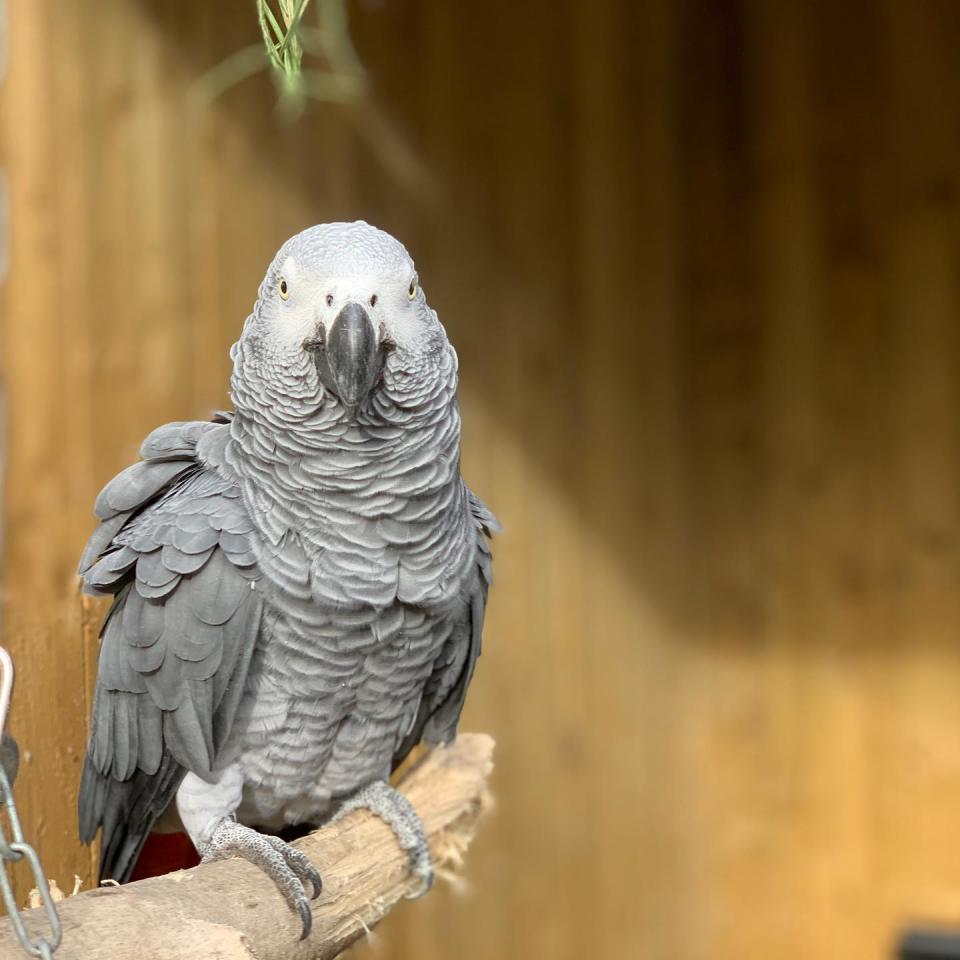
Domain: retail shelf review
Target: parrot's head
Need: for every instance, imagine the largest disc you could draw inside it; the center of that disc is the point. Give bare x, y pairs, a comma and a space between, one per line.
338, 303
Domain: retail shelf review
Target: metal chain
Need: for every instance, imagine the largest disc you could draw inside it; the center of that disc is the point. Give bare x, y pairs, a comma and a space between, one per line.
11, 851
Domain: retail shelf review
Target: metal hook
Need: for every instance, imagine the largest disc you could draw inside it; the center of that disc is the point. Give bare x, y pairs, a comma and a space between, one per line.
6, 687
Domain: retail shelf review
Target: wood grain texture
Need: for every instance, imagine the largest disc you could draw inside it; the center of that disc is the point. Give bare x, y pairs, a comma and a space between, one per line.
700, 261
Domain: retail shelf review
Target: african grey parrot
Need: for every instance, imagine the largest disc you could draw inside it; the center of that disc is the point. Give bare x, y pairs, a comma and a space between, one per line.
299, 585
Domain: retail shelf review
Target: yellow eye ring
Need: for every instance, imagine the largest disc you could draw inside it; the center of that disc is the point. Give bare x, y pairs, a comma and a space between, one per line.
412, 291
284, 289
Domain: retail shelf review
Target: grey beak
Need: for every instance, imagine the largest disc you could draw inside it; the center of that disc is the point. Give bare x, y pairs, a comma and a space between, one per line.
352, 358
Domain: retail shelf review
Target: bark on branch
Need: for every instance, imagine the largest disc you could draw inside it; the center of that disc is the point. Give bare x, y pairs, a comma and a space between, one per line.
231, 911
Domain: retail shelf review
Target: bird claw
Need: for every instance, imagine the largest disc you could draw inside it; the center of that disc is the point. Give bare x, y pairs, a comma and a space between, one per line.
398, 813
299, 862
287, 866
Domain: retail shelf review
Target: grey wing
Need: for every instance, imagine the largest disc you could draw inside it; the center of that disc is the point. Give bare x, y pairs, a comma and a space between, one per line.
446, 690
177, 641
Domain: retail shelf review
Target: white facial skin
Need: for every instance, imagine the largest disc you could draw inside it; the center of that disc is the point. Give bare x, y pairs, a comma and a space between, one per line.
341, 315
317, 273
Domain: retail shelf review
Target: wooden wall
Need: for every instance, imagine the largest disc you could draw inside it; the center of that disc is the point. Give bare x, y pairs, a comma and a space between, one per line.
702, 264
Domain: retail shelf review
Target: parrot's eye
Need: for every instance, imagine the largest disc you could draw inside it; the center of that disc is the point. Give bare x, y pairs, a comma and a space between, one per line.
414, 286
284, 289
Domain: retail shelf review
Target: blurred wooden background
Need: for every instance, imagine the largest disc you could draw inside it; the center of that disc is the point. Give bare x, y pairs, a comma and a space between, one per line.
701, 261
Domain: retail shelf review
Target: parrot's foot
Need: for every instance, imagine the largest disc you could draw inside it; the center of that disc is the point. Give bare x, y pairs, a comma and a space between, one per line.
397, 812
286, 866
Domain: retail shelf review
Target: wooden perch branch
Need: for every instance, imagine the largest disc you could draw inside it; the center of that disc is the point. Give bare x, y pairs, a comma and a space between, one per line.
231, 911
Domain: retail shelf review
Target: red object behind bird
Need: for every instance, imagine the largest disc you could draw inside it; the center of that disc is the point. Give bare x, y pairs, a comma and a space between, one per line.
164, 853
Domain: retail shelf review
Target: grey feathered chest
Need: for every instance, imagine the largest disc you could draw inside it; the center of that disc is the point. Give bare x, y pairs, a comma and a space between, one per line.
356, 513
367, 545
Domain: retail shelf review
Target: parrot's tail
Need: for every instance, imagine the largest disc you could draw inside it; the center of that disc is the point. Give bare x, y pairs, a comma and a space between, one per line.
126, 810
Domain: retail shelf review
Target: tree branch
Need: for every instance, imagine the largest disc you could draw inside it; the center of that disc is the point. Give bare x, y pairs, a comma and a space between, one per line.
231, 911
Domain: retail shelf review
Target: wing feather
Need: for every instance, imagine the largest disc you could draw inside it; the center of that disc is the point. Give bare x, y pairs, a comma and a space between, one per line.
446, 690
177, 642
